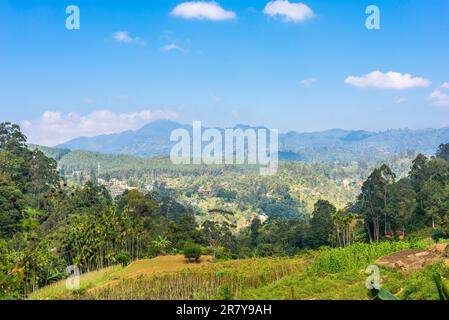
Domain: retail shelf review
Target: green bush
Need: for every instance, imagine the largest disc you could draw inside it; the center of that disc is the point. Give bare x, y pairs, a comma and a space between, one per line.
421, 284
150, 252
192, 252
221, 253
245, 253
269, 250
438, 234
123, 258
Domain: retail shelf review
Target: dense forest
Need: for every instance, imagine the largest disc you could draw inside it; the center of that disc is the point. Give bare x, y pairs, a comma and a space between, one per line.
48, 223
292, 192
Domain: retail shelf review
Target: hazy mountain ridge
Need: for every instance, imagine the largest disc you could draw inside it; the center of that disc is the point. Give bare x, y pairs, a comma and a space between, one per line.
326, 146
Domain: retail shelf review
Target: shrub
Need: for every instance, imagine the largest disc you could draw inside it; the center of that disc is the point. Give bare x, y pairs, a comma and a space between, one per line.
269, 250
123, 258
192, 252
221, 253
438, 234
245, 253
150, 252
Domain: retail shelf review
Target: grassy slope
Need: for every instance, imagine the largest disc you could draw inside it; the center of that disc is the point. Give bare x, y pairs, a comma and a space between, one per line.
349, 286
88, 280
109, 276
306, 286
311, 276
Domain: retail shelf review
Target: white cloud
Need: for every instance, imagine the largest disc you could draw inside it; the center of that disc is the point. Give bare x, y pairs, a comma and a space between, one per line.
389, 80
169, 47
122, 36
306, 83
53, 128
171, 42
202, 10
440, 96
172, 47
290, 11
125, 37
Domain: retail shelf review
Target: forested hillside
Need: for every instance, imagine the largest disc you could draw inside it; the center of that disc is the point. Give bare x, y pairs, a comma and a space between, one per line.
240, 189
325, 147
48, 222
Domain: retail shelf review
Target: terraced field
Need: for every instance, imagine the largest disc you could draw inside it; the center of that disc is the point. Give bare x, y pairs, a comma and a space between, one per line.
323, 274
110, 276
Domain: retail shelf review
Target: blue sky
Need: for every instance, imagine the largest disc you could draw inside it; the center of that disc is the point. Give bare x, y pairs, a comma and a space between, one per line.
136, 61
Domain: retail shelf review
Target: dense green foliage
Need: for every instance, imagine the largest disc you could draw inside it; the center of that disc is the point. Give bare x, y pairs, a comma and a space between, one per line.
58, 214
291, 193
192, 252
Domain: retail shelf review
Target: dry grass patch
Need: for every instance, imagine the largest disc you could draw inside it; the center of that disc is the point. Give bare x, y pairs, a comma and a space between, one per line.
159, 265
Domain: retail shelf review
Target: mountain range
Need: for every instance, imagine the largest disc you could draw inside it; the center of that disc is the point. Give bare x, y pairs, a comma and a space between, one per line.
332, 145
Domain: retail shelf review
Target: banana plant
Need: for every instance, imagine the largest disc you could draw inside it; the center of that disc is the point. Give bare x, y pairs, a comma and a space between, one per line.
442, 287
382, 294
161, 244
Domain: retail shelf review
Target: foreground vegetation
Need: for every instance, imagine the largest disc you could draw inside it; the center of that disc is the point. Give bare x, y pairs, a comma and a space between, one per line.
325, 274
48, 224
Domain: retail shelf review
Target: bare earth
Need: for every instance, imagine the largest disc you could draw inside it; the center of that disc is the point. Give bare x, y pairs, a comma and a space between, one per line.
415, 259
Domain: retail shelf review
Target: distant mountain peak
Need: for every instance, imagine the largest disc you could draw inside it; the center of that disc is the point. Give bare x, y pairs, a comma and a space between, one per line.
153, 139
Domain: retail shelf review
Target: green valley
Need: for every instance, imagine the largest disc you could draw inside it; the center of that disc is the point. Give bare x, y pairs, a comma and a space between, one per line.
143, 228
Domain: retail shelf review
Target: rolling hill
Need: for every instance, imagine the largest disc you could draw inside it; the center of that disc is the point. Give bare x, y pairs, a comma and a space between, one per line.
327, 146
